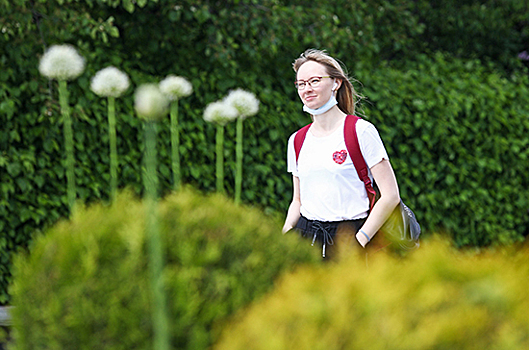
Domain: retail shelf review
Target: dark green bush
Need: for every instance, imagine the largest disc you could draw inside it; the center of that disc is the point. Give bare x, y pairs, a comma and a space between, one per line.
436, 299
456, 133
491, 30
85, 284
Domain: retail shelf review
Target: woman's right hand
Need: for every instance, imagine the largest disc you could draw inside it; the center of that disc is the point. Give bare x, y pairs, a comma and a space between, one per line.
293, 213
287, 228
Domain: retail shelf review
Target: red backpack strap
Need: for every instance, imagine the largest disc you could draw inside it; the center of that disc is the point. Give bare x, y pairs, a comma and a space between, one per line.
353, 147
299, 138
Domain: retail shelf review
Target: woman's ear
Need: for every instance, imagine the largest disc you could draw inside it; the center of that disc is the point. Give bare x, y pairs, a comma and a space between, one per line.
336, 85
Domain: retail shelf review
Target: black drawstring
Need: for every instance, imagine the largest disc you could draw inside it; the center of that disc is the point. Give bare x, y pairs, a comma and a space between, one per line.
327, 237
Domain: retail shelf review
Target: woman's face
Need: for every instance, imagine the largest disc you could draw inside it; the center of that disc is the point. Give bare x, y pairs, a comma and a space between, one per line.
314, 96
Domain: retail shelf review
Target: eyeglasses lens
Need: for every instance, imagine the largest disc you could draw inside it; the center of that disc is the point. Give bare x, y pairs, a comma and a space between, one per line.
300, 84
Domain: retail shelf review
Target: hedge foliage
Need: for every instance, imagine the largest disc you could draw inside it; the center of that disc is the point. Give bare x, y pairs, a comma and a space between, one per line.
222, 45
85, 284
437, 298
456, 133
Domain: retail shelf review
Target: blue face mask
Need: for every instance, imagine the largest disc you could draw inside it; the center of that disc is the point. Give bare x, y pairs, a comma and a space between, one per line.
331, 103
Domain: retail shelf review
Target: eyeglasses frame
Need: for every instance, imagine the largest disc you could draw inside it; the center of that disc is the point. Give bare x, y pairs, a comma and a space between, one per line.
307, 81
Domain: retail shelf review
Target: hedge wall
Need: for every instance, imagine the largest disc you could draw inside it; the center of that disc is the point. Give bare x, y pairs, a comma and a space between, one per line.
457, 135
467, 177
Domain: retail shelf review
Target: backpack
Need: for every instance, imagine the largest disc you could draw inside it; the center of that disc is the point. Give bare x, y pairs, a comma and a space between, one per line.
402, 226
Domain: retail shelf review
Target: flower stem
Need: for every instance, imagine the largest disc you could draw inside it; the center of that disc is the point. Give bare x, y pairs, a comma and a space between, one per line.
113, 148
68, 143
220, 158
239, 156
156, 258
175, 143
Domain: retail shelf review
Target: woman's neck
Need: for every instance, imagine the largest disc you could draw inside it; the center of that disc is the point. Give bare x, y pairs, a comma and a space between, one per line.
326, 123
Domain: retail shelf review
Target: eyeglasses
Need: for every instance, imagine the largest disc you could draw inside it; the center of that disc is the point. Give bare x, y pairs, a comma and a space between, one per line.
313, 82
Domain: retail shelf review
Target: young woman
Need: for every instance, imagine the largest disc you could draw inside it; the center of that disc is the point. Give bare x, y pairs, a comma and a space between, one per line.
328, 194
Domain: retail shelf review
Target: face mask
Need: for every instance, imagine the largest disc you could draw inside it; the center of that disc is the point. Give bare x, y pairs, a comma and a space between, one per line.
331, 103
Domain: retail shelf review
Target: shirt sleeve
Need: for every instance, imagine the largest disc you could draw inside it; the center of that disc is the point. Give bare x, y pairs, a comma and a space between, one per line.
291, 156
371, 144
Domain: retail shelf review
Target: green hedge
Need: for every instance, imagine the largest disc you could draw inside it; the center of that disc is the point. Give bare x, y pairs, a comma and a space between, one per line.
85, 284
456, 132
219, 46
437, 298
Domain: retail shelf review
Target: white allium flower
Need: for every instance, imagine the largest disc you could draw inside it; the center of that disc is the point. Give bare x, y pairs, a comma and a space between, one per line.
61, 62
176, 87
220, 112
110, 81
149, 102
245, 102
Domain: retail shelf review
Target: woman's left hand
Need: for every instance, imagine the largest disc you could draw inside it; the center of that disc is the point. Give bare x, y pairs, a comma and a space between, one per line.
362, 240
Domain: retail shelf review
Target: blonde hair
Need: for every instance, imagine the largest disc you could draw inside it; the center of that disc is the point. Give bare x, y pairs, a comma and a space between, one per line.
346, 95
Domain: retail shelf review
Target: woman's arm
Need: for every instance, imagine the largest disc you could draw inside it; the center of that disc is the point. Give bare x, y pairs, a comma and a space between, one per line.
389, 198
293, 210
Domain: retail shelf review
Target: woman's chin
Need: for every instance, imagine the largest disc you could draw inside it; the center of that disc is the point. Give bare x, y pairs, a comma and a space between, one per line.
313, 105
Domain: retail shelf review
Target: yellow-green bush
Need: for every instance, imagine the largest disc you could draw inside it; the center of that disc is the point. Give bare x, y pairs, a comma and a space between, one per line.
85, 283
437, 298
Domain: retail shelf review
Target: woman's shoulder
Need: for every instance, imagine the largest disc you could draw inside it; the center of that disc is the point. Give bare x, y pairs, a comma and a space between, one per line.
363, 125
291, 137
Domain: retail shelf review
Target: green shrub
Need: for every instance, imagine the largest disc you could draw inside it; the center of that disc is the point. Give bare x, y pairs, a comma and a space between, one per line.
437, 298
493, 30
85, 284
456, 133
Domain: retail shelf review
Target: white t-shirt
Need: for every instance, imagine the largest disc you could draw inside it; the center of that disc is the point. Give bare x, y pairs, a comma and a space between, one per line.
330, 188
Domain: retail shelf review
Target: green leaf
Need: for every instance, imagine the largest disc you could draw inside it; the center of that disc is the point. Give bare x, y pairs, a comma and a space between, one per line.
14, 169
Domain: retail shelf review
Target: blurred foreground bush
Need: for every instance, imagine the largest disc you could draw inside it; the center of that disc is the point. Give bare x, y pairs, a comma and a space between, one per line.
85, 284
435, 299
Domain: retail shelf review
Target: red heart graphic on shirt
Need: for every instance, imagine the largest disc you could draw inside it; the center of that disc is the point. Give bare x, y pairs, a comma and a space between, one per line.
339, 156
